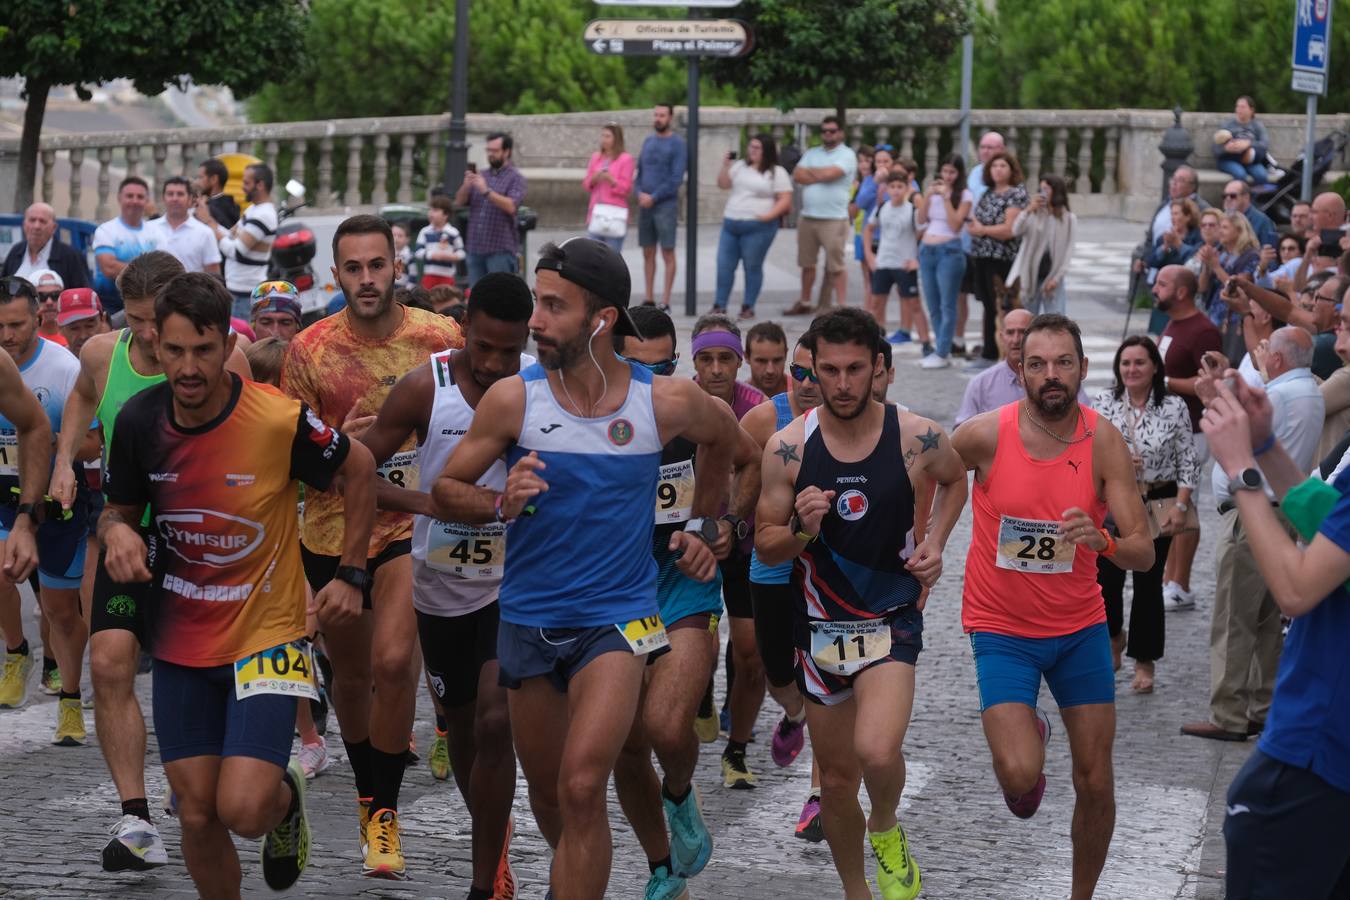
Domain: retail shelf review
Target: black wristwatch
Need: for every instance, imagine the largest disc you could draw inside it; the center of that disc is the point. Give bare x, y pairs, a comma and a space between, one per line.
739, 527
704, 527
26, 509
354, 575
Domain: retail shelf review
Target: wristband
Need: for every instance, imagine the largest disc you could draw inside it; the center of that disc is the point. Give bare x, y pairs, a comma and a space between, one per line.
795, 523
1110, 549
1265, 446
497, 506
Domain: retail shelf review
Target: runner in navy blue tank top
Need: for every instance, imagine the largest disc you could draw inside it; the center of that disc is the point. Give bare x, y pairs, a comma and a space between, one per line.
838, 497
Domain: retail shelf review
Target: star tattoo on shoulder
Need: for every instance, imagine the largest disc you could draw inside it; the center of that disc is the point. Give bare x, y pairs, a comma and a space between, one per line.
930, 440
787, 452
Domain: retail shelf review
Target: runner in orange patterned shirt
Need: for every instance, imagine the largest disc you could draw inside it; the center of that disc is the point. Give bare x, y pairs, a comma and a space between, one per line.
344, 367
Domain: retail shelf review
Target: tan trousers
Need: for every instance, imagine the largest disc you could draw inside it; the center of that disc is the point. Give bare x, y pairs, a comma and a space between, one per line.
1245, 637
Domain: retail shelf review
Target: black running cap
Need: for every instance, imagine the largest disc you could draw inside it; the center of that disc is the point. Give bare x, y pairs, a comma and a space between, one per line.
598, 268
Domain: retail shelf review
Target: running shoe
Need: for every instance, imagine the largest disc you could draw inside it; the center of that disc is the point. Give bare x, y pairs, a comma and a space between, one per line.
313, 758
504, 885
51, 681
897, 872
899, 336
735, 773
363, 810
933, 361
705, 721
69, 724
384, 856
665, 886
285, 849
439, 758
691, 843
14, 679
136, 845
1176, 598
809, 826
788, 740
1025, 806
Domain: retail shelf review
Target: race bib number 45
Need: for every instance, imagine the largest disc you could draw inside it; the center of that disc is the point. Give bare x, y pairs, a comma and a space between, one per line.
287, 669
1034, 546
675, 492
846, 648
465, 550
400, 469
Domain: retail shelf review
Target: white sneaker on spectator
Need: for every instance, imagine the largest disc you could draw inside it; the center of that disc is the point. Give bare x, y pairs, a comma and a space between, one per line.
1176, 598
313, 759
933, 361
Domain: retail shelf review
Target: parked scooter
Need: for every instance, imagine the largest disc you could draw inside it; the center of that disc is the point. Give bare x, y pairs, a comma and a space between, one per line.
292, 255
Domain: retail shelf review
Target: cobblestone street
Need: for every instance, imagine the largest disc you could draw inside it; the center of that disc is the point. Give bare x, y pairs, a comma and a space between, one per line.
1169, 789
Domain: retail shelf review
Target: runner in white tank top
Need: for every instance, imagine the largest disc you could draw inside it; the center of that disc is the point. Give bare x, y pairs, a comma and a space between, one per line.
457, 568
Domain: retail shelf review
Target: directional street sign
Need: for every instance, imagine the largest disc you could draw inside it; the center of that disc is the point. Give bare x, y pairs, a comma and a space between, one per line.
668, 37
1312, 45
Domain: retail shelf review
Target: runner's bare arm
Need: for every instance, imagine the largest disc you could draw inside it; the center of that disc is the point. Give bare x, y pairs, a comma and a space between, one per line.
455, 496
91, 448
683, 409
929, 450
405, 412
775, 541
21, 408
338, 602
745, 480
1111, 458
975, 441
124, 550
78, 413
759, 422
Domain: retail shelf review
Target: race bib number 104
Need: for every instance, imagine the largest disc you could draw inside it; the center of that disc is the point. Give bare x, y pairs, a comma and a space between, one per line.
287, 669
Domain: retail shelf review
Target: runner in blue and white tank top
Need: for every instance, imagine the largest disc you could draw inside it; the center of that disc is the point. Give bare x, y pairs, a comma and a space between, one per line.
457, 567
582, 433
838, 498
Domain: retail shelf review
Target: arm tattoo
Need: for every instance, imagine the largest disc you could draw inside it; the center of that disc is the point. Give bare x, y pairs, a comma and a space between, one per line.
930, 440
909, 458
787, 452
110, 518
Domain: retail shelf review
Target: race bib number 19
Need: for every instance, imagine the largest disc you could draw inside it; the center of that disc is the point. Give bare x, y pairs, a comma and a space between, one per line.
675, 492
287, 669
1033, 546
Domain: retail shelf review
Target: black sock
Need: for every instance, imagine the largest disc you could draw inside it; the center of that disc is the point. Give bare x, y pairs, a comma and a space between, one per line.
731, 673
387, 778
358, 755
479, 893
665, 792
138, 808
295, 794
21, 650
441, 725
69, 695
734, 747
47, 664
658, 864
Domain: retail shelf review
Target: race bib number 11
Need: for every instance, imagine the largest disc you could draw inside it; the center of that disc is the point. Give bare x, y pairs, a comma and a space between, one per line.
846, 648
1033, 546
287, 669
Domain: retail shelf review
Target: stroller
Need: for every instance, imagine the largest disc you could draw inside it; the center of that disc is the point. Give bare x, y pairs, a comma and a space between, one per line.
1278, 200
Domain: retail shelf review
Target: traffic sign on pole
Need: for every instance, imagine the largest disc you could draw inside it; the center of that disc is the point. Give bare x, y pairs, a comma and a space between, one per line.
1312, 46
668, 37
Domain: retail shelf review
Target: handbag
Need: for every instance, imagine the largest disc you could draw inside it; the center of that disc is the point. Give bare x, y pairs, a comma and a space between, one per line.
608, 220
1161, 498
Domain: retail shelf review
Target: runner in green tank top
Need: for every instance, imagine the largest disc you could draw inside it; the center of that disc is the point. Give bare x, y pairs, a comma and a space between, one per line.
123, 383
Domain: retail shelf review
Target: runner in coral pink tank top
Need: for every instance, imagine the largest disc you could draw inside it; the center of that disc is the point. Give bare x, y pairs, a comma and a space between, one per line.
1047, 473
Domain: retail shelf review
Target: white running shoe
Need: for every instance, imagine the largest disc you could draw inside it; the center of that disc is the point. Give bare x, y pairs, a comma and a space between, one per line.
135, 845
313, 759
1176, 598
933, 361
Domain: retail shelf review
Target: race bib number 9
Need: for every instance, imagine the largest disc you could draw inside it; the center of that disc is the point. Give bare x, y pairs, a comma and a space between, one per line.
400, 469
675, 492
465, 550
645, 635
1033, 546
9, 453
287, 669
846, 648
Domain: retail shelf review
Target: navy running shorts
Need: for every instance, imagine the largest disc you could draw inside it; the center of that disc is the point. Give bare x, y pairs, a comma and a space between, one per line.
197, 714
558, 654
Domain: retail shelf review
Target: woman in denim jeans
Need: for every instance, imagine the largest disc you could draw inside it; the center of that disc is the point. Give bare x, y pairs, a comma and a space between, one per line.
942, 262
761, 193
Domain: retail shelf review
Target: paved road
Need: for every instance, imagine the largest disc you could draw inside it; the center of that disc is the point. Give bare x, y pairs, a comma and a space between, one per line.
1169, 788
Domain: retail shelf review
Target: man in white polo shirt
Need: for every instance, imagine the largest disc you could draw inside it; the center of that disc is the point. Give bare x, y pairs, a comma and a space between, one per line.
182, 236
827, 173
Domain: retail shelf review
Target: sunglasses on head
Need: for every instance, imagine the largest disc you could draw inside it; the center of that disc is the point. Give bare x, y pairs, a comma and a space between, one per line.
14, 286
803, 373
664, 367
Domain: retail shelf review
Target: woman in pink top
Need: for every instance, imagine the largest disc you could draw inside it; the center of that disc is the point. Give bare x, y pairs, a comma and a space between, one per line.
609, 178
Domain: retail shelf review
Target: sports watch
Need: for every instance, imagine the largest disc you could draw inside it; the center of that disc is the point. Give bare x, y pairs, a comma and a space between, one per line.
354, 575
1249, 479
739, 527
704, 527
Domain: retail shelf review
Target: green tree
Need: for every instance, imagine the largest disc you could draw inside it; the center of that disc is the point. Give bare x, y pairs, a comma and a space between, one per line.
809, 52
155, 43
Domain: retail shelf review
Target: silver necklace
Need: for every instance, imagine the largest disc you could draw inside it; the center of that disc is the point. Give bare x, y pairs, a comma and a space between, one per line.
1087, 432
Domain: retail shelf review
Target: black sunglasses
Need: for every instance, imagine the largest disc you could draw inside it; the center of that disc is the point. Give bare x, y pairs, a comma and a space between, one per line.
1231, 196
18, 287
49, 295
803, 373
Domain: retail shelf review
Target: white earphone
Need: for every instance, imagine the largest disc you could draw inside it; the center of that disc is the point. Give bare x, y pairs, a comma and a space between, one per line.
598, 329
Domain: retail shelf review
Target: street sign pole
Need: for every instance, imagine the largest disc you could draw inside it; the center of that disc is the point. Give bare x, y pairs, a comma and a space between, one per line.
457, 144
1305, 193
1311, 64
691, 199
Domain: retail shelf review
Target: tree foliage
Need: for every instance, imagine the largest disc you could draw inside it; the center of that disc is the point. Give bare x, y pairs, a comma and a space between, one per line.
814, 53
240, 43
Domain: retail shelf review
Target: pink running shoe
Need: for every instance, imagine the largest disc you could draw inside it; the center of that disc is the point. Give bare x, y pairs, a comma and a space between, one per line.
788, 740
1025, 806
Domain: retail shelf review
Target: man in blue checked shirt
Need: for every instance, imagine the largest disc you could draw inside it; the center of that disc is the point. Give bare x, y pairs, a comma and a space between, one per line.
493, 242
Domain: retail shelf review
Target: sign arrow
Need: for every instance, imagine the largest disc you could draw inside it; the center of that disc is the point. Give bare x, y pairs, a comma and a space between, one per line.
600, 46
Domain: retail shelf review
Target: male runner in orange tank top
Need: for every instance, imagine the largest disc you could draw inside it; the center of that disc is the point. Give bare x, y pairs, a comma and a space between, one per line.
1047, 472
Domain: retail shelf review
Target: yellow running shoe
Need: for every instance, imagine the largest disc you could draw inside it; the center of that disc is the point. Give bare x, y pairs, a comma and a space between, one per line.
897, 872
439, 759
384, 856
363, 808
735, 773
14, 679
69, 723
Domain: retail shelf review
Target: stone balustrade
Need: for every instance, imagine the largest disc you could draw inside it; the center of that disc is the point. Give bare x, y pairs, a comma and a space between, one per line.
1110, 158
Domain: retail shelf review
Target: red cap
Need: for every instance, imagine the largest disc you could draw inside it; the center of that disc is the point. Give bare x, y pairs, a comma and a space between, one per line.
77, 303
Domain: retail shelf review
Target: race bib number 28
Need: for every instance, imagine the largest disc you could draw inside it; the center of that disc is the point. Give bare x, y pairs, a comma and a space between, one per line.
1033, 546
400, 469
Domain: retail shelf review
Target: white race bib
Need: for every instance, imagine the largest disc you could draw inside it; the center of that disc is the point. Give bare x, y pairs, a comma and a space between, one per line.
675, 493
1033, 546
287, 669
9, 453
845, 648
466, 550
645, 635
400, 469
